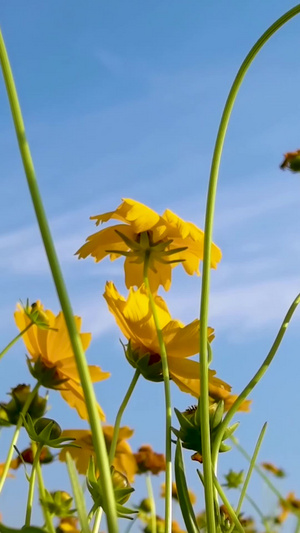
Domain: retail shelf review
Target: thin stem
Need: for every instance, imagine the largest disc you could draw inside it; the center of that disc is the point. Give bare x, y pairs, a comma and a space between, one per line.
83, 371
229, 508
257, 469
209, 220
168, 420
97, 520
11, 343
46, 513
250, 470
14, 441
256, 378
260, 514
152, 502
122, 408
32, 485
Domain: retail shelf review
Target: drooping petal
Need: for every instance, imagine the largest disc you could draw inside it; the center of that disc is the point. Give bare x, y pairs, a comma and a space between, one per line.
183, 341
107, 239
72, 393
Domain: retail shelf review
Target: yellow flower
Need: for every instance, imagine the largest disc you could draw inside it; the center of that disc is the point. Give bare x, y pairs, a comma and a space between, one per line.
134, 318
68, 525
192, 496
167, 239
124, 460
149, 461
51, 349
289, 505
278, 472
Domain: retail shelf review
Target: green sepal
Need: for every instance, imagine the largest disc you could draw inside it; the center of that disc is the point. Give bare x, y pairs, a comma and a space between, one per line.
229, 431
216, 417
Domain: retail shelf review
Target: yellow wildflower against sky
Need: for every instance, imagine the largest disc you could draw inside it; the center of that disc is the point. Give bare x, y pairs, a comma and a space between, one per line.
52, 348
166, 235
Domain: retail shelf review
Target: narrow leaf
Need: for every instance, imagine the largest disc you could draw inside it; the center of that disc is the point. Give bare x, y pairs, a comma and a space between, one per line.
78, 494
182, 490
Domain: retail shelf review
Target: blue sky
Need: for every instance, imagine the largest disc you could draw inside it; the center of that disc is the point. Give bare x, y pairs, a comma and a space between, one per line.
123, 99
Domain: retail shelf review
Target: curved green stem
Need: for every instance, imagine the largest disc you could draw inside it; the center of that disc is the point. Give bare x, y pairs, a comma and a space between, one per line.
11, 343
88, 390
258, 469
259, 512
152, 502
32, 485
14, 441
122, 408
250, 470
168, 420
256, 378
209, 218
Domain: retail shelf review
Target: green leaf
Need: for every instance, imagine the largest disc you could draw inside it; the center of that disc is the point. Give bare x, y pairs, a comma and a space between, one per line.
182, 490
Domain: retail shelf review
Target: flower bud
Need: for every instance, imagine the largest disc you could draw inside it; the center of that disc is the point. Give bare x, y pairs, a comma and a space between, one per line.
50, 424
45, 375
20, 396
58, 503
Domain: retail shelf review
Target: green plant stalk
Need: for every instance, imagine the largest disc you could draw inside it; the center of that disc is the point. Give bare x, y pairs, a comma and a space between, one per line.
14, 441
229, 508
168, 420
209, 219
256, 378
152, 502
250, 471
32, 484
260, 514
97, 520
257, 469
297, 530
121, 410
11, 343
46, 513
89, 394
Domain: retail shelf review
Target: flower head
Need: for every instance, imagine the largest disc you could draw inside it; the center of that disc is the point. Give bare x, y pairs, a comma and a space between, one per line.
52, 356
149, 461
124, 460
167, 239
135, 319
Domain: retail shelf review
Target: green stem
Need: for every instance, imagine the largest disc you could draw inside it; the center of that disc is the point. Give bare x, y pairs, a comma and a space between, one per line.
256, 378
250, 470
209, 219
122, 408
260, 514
152, 502
297, 530
168, 420
229, 508
83, 371
14, 441
257, 469
32, 484
42, 491
97, 520
11, 343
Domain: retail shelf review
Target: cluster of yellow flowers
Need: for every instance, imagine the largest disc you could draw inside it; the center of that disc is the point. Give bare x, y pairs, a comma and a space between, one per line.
164, 242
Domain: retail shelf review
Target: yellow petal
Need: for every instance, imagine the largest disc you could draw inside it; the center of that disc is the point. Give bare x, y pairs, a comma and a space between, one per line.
106, 239
74, 396
183, 341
